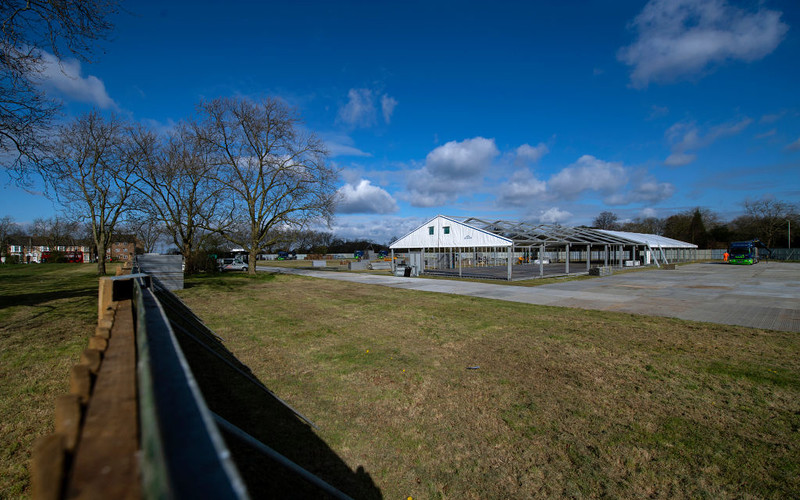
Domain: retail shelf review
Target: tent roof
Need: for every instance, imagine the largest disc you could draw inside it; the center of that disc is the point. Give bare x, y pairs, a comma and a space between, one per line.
447, 232
475, 232
653, 240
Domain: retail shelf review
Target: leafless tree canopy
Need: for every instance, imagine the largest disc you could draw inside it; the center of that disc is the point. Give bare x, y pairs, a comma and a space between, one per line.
177, 188
90, 169
29, 27
606, 220
770, 216
274, 174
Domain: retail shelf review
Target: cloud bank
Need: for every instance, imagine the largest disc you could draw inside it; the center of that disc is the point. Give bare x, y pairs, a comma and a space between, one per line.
364, 198
680, 39
450, 170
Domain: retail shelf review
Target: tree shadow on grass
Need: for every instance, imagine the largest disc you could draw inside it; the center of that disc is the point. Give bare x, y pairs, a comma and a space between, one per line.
38, 298
232, 392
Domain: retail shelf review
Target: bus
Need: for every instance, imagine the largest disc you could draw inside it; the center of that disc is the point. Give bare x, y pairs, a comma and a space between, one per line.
745, 252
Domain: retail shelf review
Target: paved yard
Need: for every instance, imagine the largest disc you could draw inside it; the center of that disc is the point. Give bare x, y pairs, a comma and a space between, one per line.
766, 295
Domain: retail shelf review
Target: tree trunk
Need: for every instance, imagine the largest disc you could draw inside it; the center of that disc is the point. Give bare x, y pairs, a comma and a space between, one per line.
188, 258
101, 258
251, 262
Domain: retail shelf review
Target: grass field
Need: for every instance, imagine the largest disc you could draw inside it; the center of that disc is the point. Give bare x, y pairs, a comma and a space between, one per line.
47, 313
559, 402
440, 396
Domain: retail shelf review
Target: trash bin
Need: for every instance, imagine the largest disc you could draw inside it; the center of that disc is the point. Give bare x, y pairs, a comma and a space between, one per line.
407, 272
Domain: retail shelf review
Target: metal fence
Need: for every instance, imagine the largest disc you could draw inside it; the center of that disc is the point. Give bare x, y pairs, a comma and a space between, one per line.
184, 454
777, 254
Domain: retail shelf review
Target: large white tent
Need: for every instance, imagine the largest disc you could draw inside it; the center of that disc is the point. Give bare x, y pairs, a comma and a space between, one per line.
453, 244
499, 248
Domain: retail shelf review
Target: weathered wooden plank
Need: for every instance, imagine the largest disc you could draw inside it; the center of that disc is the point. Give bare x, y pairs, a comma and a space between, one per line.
105, 464
47, 467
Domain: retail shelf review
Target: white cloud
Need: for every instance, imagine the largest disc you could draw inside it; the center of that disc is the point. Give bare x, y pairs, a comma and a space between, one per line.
530, 154
521, 189
588, 174
795, 146
65, 78
649, 212
679, 39
466, 158
387, 106
337, 149
554, 215
364, 198
377, 228
645, 191
361, 108
617, 184
341, 145
450, 170
686, 137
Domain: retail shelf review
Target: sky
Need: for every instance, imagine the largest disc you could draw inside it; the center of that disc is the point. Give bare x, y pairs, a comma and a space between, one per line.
548, 112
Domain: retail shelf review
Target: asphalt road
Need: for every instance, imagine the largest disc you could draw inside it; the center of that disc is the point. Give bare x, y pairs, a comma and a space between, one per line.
766, 295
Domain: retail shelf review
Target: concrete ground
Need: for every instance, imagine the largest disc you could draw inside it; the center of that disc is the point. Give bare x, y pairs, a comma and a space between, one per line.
766, 295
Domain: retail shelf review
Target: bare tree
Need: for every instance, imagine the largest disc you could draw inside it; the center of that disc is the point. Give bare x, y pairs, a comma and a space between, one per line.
147, 229
8, 228
55, 231
29, 28
606, 220
275, 175
90, 170
177, 184
770, 217
647, 225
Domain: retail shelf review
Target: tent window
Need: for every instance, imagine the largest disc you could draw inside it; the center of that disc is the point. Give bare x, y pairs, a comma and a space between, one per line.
446, 229
430, 229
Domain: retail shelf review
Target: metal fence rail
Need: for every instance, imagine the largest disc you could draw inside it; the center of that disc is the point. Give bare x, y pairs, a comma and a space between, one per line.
183, 452
179, 439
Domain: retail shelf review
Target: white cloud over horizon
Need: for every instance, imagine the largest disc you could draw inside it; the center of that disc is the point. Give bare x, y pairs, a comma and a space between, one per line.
522, 188
554, 215
365, 198
681, 39
450, 170
588, 174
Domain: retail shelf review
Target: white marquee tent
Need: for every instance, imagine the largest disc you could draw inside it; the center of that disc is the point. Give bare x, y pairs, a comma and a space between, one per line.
499, 249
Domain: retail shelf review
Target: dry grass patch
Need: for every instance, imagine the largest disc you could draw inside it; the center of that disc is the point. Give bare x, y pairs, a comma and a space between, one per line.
47, 313
564, 402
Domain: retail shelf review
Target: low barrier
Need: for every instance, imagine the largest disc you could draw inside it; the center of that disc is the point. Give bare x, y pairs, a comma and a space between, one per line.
136, 424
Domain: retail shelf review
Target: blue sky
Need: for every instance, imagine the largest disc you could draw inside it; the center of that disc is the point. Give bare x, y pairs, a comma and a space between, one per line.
542, 111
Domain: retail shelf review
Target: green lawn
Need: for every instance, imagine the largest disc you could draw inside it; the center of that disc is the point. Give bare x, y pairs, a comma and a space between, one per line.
47, 313
561, 402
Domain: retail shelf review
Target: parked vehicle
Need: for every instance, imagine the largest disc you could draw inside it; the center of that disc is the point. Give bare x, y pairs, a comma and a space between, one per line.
235, 265
224, 262
746, 252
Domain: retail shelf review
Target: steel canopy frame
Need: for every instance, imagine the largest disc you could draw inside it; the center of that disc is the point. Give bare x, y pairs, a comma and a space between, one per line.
524, 233
608, 248
528, 236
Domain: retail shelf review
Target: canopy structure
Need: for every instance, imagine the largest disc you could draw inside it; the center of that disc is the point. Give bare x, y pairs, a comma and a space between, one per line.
502, 249
445, 243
